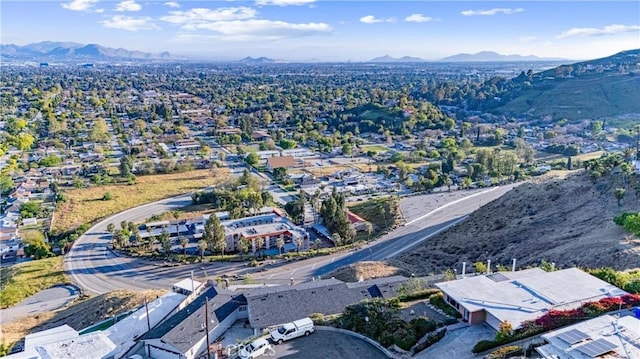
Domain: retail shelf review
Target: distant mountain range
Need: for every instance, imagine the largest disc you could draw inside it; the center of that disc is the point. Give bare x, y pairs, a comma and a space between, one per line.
260, 60
72, 51
484, 56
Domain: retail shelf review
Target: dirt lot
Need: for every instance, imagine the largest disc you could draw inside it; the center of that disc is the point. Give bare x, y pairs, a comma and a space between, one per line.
567, 221
366, 270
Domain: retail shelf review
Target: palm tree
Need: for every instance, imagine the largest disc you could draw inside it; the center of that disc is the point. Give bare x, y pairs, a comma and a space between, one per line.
280, 244
165, 242
202, 245
184, 242
259, 244
299, 242
176, 216
368, 227
318, 242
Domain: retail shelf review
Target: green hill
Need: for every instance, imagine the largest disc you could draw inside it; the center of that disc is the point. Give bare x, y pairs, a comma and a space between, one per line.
607, 87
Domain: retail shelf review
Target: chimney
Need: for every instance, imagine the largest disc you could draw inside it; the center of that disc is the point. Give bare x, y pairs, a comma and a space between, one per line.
488, 266
464, 268
513, 266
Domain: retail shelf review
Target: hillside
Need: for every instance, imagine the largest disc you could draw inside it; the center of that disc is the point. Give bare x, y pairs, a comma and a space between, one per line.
71, 51
79, 315
607, 87
565, 221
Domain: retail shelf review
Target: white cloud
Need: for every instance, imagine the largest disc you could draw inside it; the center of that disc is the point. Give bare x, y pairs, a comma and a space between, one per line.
490, 12
79, 5
203, 15
284, 2
128, 5
99, 11
130, 23
172, 4
417, 18
594, 31
370, 19
255, 29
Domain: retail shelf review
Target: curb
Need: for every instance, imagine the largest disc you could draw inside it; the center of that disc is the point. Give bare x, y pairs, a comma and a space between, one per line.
384, 350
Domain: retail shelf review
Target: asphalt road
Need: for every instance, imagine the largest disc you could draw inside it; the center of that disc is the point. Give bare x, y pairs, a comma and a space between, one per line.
96, 269
325, 344
43, 301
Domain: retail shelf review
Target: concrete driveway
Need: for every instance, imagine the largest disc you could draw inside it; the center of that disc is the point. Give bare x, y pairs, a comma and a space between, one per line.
43, 301
324, 344
458, 343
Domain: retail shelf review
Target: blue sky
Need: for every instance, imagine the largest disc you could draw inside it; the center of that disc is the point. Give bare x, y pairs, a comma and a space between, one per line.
331, 30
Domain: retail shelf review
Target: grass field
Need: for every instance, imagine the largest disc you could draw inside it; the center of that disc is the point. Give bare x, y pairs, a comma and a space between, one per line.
85, 205
325, 170
376, 148
25, 279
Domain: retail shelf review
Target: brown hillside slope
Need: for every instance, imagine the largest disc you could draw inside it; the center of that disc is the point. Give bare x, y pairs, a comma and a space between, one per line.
566, 221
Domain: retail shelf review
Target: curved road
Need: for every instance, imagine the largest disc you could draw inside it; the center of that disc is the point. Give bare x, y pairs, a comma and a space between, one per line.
96, 269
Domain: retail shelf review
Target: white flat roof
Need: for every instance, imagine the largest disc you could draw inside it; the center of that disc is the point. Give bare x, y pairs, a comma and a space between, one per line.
186, 284
95, 345
527, 294
625, 335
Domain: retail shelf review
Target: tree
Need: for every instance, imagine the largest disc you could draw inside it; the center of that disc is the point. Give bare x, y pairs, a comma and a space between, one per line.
299, 242
368, 228
100, 131
30, 209
36, 245
126, 164
318, 242
346, 149
214, 234
111, 228
6, 184
280, 245
259, 243
279, 174
337, 239
165, 242
23, 141
202, 245
619, 193
243, 245
252, 159
183, 243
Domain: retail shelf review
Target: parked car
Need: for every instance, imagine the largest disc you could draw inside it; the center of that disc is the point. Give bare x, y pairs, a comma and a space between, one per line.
292, 330
255, 349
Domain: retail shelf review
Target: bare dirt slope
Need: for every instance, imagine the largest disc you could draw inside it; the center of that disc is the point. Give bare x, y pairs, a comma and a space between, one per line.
567, 221
79, 315
366, 270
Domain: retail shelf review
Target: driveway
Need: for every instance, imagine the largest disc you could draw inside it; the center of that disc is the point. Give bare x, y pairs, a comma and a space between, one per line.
457, 343
324, 344
43, 301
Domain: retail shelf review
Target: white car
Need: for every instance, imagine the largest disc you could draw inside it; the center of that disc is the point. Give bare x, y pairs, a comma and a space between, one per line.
255, 349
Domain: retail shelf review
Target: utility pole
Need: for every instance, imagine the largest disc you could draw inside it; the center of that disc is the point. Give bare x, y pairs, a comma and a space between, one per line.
146, 308
206, 325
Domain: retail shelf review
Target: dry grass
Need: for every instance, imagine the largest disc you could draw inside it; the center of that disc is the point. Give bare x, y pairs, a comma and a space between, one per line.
85, 205
78, 315
326, 170
366, 270
25, 279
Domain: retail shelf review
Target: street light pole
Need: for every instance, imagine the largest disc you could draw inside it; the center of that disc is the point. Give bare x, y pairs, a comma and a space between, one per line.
366, 325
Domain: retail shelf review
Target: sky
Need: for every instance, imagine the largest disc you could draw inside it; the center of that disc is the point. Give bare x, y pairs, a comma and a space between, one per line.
330, 30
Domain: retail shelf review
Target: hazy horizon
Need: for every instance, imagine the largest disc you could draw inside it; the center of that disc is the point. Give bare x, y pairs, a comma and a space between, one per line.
308, 30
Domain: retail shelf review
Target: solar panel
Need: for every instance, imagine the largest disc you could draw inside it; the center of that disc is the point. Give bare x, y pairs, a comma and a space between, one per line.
597, 347
573, 336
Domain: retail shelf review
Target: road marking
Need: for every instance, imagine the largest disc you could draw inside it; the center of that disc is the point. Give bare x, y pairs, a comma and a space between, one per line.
425, 238
448, 204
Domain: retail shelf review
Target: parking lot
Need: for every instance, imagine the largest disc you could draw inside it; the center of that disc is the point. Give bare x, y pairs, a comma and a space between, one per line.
327, 344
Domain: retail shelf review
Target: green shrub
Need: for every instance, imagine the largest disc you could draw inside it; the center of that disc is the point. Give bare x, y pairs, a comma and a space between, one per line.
484, 345
504, 351
432, 339
438, 301
107, 196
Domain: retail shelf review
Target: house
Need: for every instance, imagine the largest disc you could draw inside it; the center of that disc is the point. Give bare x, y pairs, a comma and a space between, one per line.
603, 337
260, 136
358, 222
65, 342
271, 306
183, 336
280, 162
523, 295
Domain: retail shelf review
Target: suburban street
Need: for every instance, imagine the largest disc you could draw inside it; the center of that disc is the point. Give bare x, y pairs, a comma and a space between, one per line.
96, 269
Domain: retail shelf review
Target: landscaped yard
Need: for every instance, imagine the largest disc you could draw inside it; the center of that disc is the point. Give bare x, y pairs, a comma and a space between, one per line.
85, 205
25, 279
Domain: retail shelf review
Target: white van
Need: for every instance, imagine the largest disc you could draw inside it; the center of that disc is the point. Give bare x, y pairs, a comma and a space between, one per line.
255, 349
292, 330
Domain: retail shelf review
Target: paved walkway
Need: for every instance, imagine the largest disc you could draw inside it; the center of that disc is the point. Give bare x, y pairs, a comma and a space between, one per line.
457, 343
43, 301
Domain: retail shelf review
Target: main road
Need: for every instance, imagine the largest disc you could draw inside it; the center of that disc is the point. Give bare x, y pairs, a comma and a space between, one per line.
98, 270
